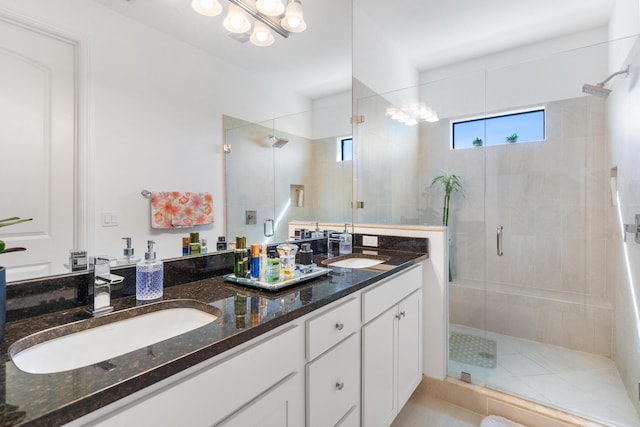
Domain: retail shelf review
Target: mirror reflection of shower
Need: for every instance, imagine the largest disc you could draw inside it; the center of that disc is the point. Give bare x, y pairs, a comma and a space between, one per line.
599, 89
278, 142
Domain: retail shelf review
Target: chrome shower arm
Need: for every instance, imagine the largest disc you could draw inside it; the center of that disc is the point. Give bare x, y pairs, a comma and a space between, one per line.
617, 73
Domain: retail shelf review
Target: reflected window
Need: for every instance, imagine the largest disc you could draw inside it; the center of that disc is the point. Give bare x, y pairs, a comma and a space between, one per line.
345, 149
512, 127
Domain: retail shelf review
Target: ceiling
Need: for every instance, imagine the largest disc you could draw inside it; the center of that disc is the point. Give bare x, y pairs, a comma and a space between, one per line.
430, 33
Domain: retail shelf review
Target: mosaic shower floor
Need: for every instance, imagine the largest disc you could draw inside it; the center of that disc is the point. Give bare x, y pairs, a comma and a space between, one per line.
582, 383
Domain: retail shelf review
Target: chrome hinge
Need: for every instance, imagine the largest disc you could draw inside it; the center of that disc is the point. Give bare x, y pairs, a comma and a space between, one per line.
633, 228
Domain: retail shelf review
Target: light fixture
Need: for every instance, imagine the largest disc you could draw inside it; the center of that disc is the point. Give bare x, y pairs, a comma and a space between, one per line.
207, 7
268, 15
270, 7
293, 19
236, 20
412, 114
261, 35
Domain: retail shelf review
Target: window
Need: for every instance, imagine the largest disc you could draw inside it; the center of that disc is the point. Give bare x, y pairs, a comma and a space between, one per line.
520, 126
345, 149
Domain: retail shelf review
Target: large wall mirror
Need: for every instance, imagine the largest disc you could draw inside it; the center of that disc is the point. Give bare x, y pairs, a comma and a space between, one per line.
148, 87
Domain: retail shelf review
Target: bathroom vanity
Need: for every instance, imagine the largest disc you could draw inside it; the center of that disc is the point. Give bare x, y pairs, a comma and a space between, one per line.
292, 357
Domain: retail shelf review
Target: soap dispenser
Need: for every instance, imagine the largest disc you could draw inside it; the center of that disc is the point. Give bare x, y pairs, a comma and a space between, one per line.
127, 253
346, 241
149, 276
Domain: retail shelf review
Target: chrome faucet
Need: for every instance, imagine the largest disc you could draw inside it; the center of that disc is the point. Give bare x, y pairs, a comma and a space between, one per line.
102, 281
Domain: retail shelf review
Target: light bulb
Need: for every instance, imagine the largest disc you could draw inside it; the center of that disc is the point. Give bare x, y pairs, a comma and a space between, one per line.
207, 7
236, 20
261, 36
270, 7
293, 20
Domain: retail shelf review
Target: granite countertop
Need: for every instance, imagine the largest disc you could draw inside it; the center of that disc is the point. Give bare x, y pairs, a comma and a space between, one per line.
55, 399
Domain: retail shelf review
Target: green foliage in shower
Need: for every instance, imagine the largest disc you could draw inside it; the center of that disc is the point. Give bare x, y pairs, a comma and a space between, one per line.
452, 184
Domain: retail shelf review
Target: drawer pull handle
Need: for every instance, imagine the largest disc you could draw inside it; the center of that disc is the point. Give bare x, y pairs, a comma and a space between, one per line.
402, 313
339, 326
398, 316
339, 385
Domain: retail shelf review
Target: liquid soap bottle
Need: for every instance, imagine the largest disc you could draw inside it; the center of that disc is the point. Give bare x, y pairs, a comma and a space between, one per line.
127, 252
346, 241
149, 276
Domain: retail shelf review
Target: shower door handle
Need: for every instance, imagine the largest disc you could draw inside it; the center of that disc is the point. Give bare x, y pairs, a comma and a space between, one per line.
499, 239
264, 227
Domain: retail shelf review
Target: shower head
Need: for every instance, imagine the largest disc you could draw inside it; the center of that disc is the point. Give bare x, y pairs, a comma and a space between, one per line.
278, 142
599, 89
596, 90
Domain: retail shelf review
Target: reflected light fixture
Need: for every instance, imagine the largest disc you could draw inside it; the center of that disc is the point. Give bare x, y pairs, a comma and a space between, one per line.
268, 15
412, 113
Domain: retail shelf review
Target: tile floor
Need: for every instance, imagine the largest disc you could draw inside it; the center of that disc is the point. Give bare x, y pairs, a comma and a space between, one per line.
585, 384
427, 411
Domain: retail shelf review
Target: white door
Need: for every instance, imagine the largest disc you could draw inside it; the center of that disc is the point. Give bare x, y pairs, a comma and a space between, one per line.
37, 140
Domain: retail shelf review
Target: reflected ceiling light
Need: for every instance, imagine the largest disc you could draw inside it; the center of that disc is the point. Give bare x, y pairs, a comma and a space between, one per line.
270, 14
270, 7
293, 18
412, 114
261, 35
207, 7
236, 21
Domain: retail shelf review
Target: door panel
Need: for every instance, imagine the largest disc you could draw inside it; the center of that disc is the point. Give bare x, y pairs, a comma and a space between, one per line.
37, 141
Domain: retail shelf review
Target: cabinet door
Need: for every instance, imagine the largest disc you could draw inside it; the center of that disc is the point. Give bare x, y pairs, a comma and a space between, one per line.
409, 346
333, 383
379, 344
280, 406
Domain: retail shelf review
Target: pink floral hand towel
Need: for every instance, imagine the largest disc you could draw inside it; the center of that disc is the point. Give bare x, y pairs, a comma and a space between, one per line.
173, 209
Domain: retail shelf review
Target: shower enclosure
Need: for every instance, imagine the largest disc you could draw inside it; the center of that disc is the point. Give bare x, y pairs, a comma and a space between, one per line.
534, 235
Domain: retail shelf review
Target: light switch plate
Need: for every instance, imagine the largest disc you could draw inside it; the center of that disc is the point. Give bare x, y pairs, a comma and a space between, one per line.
370, 241
110, 219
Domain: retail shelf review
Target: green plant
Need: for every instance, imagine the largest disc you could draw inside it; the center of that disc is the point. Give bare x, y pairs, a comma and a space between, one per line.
512, 138
7, 222
452, 183
477, 142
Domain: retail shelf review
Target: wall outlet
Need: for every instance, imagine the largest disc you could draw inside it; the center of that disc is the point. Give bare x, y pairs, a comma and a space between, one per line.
370, 241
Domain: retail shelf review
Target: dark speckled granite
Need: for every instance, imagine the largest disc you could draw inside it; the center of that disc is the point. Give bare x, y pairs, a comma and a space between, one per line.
54, 399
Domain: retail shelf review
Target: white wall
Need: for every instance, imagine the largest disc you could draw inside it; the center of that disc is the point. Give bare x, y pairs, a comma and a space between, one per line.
154, 117
376, 62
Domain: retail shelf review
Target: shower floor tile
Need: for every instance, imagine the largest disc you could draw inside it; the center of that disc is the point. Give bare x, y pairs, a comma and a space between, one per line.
585, 384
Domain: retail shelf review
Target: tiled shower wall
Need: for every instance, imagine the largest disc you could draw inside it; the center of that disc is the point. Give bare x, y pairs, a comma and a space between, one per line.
551, 197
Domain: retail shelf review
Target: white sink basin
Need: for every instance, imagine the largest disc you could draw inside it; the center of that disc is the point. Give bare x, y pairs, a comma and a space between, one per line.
104, 342
356, 262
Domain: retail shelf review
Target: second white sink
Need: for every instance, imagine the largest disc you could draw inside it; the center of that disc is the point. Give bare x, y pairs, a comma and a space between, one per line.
90, 346
356, 262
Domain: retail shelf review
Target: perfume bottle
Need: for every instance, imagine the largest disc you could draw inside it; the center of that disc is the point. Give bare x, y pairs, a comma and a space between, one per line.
149, 276
240, 257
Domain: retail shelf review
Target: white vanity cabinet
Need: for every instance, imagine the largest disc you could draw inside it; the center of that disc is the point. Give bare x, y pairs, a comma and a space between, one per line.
391, 346
267, 374
333, 371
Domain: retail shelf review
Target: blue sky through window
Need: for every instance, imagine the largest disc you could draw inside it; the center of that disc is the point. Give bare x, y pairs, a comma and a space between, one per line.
529, 126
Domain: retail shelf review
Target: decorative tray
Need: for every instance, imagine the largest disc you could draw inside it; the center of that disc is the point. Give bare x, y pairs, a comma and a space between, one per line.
299, 277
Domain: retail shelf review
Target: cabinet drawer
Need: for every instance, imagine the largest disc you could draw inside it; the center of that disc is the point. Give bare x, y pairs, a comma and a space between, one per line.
333, 384
377, 300
329, 328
